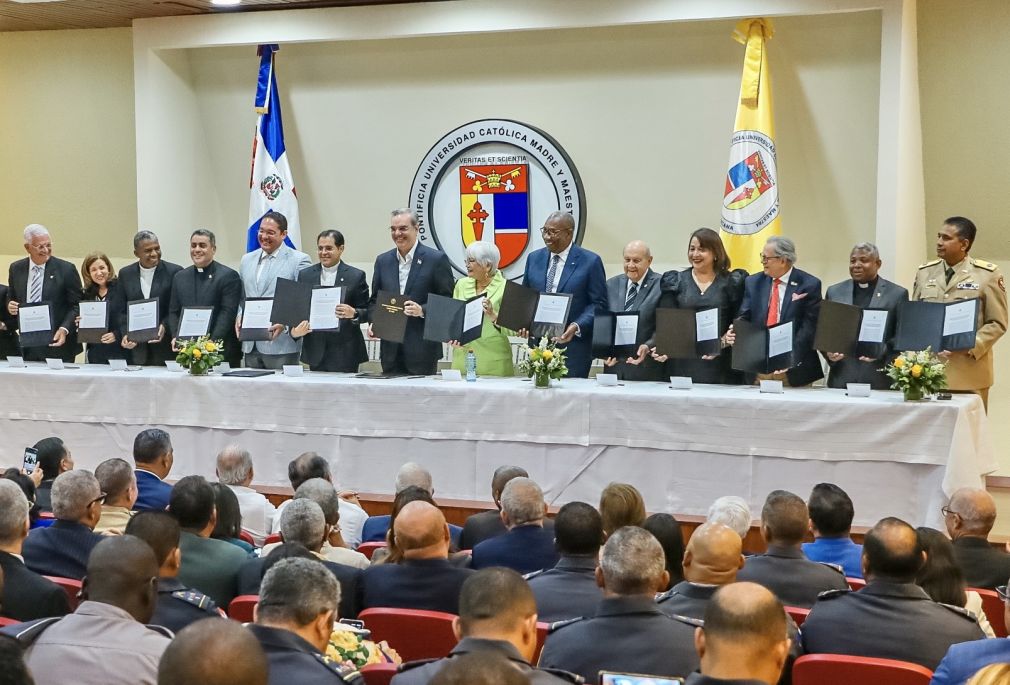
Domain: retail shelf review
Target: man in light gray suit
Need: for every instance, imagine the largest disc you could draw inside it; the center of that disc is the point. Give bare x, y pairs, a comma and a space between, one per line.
866, 289
637, 289
260, 270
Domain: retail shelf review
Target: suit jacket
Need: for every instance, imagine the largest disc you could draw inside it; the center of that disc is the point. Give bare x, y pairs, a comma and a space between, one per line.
645, 304
61, 287
26, 594
250, 576
801, 305
286, 263
152, 492
567, 591
794, 579
343, 349
430, 273
150, 354
583, 276
431, 584
983, 565
964, 660
211, 566
886, 295
481, 527
374, 529
422, 672
220, 289
524, 548
8, 341
60, 550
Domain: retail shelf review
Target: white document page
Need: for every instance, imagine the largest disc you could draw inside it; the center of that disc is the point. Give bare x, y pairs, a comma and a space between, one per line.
195, 323
142, 317
473, 314
706, 322
551, 309
323, 309
872, 328
780, 339
93, 315
959, 318
256, 315
33, 319
625, 330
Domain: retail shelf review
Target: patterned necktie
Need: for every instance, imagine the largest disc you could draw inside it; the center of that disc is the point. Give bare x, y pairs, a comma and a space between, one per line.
632, 294
35, 291
551, 272
773, 304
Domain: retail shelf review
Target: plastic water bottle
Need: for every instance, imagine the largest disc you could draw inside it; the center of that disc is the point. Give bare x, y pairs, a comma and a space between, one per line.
471, 366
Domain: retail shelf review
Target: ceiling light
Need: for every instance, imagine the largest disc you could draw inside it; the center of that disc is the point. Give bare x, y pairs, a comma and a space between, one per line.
225, 3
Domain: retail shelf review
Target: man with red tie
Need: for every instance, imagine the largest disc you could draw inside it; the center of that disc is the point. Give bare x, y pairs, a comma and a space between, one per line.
782, 293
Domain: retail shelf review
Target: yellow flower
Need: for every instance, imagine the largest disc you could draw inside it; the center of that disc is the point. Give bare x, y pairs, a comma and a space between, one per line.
916, 371
899, 363
211, 346
197, 353
548, 355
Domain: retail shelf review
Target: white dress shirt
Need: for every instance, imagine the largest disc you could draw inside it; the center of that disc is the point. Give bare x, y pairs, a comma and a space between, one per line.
328, 275
405, 262
352, 520
553, 287
784, 278
257, 512
147, 280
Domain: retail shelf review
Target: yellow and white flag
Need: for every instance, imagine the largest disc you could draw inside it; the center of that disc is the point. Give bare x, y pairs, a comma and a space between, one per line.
750, 203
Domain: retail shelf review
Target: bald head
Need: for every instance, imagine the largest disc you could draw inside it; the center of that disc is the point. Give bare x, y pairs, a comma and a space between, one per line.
972, 513
214, 651
420, 531
714, 555
744, 636
637, 260
123, 571
892, 551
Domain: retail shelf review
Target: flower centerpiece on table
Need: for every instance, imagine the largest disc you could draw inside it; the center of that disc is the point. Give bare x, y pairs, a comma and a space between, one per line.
917, 374
200, 355
544, 362
350, 645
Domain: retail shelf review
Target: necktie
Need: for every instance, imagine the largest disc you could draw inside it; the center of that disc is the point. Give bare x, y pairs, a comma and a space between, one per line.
632, 294
950, 273
773, 304
35, 291
552, 271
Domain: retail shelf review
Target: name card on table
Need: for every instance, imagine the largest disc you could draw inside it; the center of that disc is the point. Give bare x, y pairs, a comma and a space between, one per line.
451, 375
117, 364
223, 367
681, 382
172, 365
16, 362
55, 364
293, 370
606, 379
772, 387
857, 389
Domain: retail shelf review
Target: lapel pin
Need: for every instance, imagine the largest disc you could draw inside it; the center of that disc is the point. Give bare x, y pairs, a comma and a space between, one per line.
793, 283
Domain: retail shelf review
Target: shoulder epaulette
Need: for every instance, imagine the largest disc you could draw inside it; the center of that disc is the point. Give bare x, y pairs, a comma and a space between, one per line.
960, 611
663, 596
161, 630
533, 574
567, 676
935, 261
693, 622
833, 567
832, 594
197, 599
28, 633
982, 264
558, 625
344, 669
408, 665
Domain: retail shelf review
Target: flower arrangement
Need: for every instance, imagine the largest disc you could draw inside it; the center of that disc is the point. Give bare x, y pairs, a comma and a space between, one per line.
917, 374
544, 362
200, 355
350, 645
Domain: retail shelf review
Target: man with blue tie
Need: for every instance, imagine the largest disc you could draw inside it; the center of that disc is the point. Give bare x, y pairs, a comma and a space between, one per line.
564, 267
414, 271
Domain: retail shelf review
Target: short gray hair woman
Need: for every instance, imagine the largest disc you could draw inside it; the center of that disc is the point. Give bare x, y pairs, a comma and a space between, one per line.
484, 253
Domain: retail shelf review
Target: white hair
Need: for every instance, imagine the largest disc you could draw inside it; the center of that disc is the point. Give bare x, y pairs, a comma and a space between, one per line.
523, 501
484, 253
413, 473
784, 247
13, 511
35, 231
72, 492
731, 511
234, 465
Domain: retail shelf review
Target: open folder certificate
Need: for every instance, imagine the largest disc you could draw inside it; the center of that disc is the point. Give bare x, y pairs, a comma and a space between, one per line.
323, 308
35, 324
142, 320
194, 322
94, 321
446, 318
686, 333
551, 314
937, 325
256, 319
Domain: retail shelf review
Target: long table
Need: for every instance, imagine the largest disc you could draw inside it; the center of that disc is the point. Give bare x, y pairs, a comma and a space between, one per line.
681, 449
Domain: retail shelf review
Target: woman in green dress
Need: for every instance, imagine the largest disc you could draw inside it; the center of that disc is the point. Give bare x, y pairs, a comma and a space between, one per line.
493, 349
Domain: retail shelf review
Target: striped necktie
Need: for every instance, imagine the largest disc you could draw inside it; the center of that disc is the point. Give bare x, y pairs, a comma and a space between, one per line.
35, 290
551, 272
632, 295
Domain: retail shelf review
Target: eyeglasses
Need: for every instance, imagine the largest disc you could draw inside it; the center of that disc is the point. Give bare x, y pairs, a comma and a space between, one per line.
1001, 590
764, 259
947, 511
100, 500
552, 232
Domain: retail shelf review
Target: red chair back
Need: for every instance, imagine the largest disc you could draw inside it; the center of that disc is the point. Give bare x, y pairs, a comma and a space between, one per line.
414, 634
246, 537
835, 669
368, 548
992, 605
272, 539
378, 674
542, 630
8, 622
798, 615
71, 587
855, 584
241, 608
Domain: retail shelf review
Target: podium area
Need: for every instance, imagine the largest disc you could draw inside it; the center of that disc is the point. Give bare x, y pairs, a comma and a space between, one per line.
681, 449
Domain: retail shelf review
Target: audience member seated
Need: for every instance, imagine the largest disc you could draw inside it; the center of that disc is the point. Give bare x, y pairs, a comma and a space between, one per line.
526, 547
994, 674
153, 456
963, 660
425, 579
488, 524
628, 633
105, 640
228, 527
892, 617
969, 517
667, 530
117, 480
54, 459
294, 620
942, 579
497, 616
391, 553
26, 595
211, 566
410, 474
831, 513
213, 653
352, 517
743, 639
712, 559
480, 669
12, 663
731, 511
783, 569
334, 546
62, 549
235, 469
621, 505
178, 605
569, 590
27, 485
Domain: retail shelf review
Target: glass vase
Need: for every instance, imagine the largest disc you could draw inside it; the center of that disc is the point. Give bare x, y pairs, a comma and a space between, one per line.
541, 380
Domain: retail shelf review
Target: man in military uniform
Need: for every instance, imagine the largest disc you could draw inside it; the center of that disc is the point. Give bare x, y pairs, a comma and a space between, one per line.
497, 615
294, 619
628, 633
892, 617
178, 605
956, 276
783, 569
713, 558
214, 653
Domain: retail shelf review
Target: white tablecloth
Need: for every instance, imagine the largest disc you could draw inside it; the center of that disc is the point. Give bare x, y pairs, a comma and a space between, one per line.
680, 448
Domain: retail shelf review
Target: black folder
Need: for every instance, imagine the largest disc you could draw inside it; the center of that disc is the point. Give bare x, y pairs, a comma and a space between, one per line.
518, 305
256, 334
443, 320
389, 321
93, 336
920, 325
146, 334
677, 335
292, 301
604, 331
539, 329
37, 338
838, 326
750, 351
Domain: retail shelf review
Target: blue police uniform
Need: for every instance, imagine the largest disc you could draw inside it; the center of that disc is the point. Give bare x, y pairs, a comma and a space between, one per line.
178, 605
293, 660
568, 590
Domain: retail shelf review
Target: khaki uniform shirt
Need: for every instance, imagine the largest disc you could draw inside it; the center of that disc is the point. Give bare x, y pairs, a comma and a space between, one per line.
973, 279
114, 519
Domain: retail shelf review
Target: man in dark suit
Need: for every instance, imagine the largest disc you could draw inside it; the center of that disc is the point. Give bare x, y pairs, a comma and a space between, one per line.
488, 524
25, 594
526, 547
969, 518
892, 617
424, 579
637, 290
150, 277
964, 660
866, 290
713, 558
153, 456
208, 284
62, 549
783, 569
564, 267
780, 294
8, 324
342, 350
42, 278
414, 271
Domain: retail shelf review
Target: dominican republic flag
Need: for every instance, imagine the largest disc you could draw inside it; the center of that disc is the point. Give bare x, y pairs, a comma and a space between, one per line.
271, 186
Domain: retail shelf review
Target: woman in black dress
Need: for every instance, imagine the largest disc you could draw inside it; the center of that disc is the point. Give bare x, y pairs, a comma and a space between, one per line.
101, 284
708, 283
